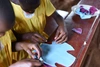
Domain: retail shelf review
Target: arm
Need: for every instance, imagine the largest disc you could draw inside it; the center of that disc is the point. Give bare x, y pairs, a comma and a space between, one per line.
26, 36
61, 33
31, 36
28, 47
58, 18
27, 63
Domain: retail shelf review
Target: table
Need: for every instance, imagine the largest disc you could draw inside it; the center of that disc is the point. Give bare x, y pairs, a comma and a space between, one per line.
90, 29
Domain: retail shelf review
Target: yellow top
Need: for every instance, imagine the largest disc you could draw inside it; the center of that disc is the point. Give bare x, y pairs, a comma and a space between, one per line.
37, 22
34, 24
5, 49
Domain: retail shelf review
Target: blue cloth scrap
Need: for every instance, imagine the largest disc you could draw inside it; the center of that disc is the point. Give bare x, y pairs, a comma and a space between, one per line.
82, 15
57, 53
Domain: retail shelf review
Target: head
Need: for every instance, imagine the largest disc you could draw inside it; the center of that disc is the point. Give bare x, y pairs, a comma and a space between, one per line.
7, 17
29, 5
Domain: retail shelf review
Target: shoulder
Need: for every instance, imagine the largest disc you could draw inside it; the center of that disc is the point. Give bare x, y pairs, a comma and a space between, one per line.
16, 6
15, 1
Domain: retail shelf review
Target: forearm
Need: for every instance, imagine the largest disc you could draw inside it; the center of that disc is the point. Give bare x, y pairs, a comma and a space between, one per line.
58, 18
17, 64
12, 65
20, 37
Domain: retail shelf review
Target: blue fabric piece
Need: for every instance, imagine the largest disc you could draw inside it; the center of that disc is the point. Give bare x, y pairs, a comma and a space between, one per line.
82, 15
57, 53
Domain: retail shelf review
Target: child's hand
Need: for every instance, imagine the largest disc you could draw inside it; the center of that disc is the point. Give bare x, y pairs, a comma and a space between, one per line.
61, 34
29, 47
27, 63
34, 37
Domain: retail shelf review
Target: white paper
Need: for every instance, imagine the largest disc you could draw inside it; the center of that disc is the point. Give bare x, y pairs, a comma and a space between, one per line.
62, 13
57, 53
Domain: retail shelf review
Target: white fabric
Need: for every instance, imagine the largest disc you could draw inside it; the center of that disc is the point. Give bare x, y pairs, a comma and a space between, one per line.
28, 15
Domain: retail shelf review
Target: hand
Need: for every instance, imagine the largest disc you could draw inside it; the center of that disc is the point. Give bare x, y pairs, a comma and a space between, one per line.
29, 47
34, 37
27, 63
61, 34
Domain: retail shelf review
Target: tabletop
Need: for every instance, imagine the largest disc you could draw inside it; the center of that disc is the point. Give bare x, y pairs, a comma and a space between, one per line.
81, 42
89, 27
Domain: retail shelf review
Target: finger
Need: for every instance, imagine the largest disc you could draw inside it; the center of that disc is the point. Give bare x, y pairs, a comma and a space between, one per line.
33, 62
63, 39
29, 51
36, 40
59, 37
41, 37
57, 34
38, 50
36, 63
